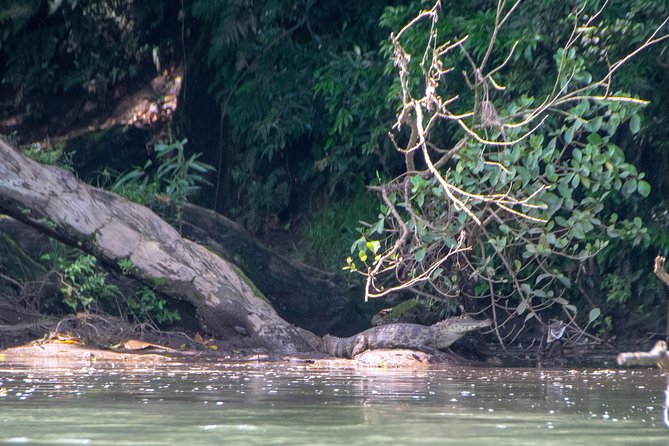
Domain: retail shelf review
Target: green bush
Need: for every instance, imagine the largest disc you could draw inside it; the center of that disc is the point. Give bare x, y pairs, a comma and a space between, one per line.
83, 284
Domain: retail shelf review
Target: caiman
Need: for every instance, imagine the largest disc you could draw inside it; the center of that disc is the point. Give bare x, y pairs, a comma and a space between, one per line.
426, 338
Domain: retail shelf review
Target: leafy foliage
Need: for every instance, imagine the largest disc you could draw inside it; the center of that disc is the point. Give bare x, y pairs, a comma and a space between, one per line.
283, 79
250, 49
175, 179
501, 190
347, 85
52, 154
85, 286
147, 305
83, 283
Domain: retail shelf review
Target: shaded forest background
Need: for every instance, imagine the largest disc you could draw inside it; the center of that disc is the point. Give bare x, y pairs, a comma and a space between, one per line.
291, 103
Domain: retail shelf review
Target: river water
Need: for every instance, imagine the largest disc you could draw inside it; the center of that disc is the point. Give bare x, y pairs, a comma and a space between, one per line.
207, 403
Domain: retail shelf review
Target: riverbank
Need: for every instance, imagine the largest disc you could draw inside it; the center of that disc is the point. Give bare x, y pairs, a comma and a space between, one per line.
65, 352
61, 355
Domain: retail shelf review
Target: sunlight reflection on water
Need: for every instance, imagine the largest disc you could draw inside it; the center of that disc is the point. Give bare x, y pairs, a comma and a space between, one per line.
208, 402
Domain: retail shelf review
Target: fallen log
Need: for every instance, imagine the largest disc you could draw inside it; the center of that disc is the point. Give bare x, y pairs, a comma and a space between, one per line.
112, 228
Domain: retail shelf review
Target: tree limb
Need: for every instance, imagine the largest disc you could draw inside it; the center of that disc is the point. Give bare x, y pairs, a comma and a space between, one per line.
112, 228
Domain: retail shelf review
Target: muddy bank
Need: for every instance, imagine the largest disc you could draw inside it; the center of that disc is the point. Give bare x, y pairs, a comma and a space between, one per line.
70, 355
83, 339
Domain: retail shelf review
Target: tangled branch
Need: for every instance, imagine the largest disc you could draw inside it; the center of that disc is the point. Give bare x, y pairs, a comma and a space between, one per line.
460, 217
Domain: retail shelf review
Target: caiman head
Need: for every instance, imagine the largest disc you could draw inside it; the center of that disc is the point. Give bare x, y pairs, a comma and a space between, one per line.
450, 330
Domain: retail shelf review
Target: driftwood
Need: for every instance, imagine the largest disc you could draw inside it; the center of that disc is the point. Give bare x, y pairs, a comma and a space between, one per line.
305, 296
659, 270
657, 356
112, 228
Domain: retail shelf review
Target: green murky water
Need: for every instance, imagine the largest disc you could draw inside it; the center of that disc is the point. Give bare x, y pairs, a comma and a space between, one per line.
281, 404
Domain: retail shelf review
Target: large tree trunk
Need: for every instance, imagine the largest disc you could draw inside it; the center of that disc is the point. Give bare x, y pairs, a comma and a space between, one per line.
112, 228
315, 300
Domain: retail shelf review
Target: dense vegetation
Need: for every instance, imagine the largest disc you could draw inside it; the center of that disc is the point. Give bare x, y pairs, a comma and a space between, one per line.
293, 105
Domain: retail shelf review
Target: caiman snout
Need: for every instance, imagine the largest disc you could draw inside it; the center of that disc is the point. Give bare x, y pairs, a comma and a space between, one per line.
464, 324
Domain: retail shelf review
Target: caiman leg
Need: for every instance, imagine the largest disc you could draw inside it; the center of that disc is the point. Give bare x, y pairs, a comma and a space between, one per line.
360, 345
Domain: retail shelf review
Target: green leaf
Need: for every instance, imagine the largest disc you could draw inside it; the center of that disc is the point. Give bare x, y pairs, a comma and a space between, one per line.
420, 199
357, 244
524, 174
542, 277
522, 307
630, 187
578, 232
575, 181
420, 255
378, 226
569, 134
594, 314
418, 182
635, 123
547, 154
373, 246
595, 124
562, 221
594, 139
561, 243
614, 122
540, 294
643, 187
362, 255
565, 281
564, 190
552, 239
